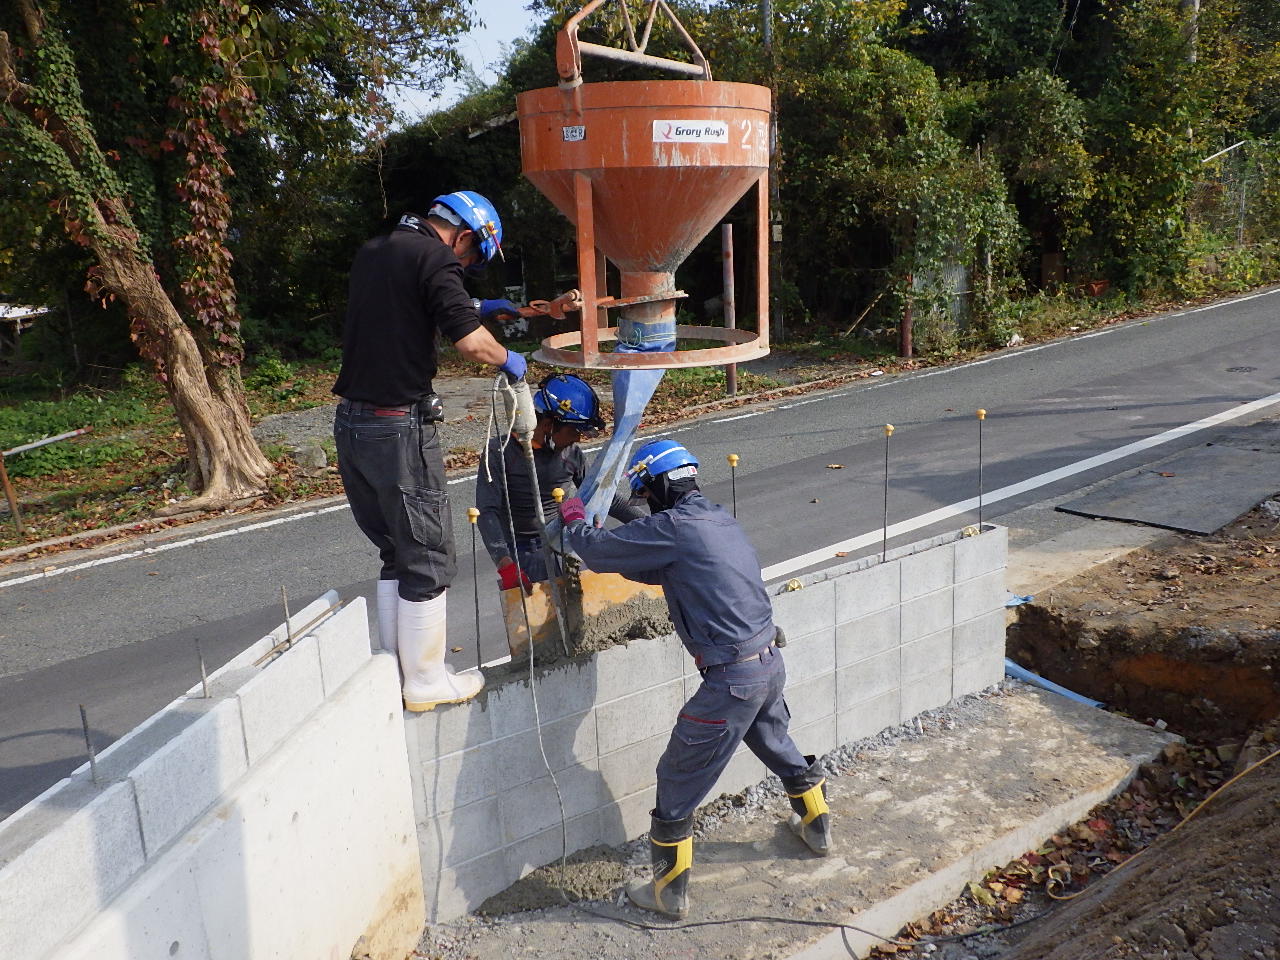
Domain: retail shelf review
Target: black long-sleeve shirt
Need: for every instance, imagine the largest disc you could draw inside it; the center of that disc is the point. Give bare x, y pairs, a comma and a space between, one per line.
405, 288
556, 468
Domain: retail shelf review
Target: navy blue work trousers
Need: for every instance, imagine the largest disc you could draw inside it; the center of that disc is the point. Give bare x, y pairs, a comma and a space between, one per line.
393, 474
736, 703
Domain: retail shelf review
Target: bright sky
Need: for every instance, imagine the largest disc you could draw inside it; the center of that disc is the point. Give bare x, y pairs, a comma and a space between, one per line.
501, 23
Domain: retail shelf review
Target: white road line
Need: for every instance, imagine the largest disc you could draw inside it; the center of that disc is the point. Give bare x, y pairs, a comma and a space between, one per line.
786, 567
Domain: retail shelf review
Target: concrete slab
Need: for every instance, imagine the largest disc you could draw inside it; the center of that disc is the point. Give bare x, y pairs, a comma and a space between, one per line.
1198, 491
915, 816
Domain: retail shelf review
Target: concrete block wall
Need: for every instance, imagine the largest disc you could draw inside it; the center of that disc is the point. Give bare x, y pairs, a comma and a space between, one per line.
871, 643
271, 819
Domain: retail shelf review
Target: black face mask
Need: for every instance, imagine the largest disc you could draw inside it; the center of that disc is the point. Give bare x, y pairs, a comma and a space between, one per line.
667, 493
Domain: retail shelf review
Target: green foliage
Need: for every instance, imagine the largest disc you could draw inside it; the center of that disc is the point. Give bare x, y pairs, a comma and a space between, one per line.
105, 412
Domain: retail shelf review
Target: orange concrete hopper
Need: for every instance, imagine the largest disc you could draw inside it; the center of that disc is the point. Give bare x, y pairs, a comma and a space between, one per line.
645, 169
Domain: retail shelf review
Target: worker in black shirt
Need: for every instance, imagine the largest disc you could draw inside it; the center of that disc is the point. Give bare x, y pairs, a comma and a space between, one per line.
405, 290
568, 410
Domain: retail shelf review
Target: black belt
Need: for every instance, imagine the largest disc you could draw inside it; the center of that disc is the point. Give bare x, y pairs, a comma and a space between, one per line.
754, 656
431, 407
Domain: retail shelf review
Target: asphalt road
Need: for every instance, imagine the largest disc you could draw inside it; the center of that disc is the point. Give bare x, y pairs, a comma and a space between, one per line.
119, 636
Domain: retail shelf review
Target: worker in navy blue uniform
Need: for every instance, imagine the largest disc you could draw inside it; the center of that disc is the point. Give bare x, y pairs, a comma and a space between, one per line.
406, 290
568, 410
708, 570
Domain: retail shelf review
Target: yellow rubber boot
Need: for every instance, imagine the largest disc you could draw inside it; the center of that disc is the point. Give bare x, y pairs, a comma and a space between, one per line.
811, 817
671, 852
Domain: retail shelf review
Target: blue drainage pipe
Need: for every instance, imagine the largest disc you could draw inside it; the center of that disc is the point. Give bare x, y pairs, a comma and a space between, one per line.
1012, 669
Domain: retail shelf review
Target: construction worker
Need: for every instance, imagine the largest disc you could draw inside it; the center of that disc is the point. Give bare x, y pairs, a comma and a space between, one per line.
568, 411
708, 570
406, 287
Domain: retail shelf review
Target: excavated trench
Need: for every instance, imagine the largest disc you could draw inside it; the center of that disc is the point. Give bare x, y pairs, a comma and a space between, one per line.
1185, 631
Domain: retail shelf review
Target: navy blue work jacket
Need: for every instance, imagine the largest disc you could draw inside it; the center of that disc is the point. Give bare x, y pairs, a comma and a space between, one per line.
705, 565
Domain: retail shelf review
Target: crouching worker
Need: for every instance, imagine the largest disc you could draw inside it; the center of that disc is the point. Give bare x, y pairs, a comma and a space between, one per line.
708, 569
568, 411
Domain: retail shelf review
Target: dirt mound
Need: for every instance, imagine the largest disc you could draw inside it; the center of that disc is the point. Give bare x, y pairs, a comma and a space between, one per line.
1209, 890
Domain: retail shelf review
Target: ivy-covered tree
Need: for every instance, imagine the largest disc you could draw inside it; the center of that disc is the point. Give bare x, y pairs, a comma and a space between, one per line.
120, 118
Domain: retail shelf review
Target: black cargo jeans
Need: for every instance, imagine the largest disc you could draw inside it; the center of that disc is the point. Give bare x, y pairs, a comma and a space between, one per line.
736, 703
393, 473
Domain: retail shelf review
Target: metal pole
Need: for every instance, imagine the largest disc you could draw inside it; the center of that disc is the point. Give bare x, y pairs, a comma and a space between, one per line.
982, 418
473, 515
733, 480
779, 332
204, 673
288, 627
11, 496
730, 308
88, 743
905, 331
884, 540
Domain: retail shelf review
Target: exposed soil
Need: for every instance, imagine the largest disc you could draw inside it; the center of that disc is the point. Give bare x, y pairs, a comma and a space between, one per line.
1186, 631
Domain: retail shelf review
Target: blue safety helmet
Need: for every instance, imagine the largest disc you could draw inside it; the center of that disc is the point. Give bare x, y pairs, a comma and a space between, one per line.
569, 400
656, 458
478, 215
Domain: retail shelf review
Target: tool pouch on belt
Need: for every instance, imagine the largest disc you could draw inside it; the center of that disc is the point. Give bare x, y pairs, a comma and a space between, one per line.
431, 408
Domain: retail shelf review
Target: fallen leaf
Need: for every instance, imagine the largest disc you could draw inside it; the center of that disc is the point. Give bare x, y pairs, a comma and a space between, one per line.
153, 573
981, 894
1013, 894
842, 553
456, 649
835, 466
1164, 474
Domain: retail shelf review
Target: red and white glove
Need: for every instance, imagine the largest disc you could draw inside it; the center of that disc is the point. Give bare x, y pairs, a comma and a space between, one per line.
511, 576
573, 510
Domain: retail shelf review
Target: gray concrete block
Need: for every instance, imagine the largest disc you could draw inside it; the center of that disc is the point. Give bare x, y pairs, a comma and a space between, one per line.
188, 774
865, 592
875, 633
455, 891
343, 641
628, 817
810, 655
982, 554
561, 692
275, 702
979, 637
460, 835
980, 596
816, 738
800, 612
567, 742
925, 615
868, 679
535, 806
621, 671
457, 779
868, 718
926, 655
527, 855
71, 866
926, 693
742, 771
811, 700
928, 571
978, 674
633, 767
447, 729
639, 716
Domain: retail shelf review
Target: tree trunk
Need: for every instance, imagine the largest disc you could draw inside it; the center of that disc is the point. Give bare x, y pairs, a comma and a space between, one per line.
225, 461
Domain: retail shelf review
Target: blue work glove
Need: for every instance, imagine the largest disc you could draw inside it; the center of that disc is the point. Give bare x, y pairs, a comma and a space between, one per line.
497, 309
514, 366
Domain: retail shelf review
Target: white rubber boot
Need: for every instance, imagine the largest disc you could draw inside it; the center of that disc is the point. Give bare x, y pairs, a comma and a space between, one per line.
428, 682
388, 614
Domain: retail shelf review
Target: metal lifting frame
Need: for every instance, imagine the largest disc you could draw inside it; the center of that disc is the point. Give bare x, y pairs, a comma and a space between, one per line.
569, 49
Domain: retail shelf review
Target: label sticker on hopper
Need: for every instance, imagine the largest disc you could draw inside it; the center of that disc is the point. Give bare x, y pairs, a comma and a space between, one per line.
573, 134
690, 131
